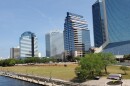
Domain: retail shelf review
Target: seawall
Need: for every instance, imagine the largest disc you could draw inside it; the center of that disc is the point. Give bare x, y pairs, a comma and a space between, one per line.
44, 81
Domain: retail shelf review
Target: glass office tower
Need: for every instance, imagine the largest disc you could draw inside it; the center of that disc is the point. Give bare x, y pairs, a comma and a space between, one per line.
76, 35
28, 45
54, 44
111, 26
98, 24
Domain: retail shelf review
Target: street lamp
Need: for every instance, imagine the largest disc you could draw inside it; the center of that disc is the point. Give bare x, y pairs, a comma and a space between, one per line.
50, 76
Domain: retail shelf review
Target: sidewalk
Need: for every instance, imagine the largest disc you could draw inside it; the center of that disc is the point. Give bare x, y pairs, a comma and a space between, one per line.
103, 81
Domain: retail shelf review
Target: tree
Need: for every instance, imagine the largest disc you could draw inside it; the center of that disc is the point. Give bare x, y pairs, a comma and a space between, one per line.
92, 65
1, 62
89, 66
32, 60
47, 60
77, 59
124, 68
107, 59
7, 62
81, 73
11, 63
19, 61
127, 57
70, 58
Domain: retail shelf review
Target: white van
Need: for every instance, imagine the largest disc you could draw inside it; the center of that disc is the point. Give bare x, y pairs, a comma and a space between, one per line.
115, 76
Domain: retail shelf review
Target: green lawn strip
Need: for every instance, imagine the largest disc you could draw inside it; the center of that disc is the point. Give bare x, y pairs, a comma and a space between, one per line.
59, 72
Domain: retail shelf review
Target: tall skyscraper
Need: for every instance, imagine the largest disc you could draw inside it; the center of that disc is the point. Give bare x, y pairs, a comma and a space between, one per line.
76, 35
98, 24
15, 52
54, 44
111, 26
28, 45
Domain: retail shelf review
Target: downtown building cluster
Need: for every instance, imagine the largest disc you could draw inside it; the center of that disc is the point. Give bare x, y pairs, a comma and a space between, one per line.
111, 30
72, 42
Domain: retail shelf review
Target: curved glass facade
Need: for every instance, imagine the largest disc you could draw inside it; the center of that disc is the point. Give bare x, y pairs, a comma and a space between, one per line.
118, 48
28, 45
116, 25
118, 18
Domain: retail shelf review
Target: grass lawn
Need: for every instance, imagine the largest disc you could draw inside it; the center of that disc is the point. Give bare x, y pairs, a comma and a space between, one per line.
116, 70
59, 71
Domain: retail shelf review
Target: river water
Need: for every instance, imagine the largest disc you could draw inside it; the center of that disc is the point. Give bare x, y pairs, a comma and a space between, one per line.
6, 81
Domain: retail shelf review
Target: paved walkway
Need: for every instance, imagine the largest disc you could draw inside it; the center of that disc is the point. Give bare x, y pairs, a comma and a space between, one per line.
103, 81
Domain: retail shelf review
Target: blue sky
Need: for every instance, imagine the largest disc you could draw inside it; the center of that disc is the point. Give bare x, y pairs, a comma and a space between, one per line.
38, 16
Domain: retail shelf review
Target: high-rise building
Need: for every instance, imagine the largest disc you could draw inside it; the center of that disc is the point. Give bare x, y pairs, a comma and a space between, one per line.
76, 35
28, 45
111, 26
98, 24
15, 52
54, 44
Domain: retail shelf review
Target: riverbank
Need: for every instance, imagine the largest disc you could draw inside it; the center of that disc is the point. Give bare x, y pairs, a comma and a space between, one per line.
57, 74
39, 80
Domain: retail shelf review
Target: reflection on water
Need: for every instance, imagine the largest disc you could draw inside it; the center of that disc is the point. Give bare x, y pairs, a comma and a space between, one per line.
5, 81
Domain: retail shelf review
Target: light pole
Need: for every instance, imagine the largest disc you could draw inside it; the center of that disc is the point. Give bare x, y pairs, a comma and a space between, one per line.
26, 72
50, 76
32, 73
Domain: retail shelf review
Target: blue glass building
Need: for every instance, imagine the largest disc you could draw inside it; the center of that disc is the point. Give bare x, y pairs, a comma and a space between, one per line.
28, 45
111, 26
98, 24
76, 35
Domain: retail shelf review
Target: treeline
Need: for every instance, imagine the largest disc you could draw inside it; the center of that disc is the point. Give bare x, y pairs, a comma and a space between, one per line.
127, 57
28, 60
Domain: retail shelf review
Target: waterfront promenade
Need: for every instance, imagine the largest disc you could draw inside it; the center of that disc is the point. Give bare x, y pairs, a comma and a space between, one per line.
26, 78
39, 80
43, 81
32, 76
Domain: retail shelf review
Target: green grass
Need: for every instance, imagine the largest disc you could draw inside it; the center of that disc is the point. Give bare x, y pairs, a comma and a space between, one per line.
59, 71
116, 70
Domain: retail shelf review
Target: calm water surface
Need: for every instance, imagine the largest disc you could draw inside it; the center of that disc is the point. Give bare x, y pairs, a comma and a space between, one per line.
5, 81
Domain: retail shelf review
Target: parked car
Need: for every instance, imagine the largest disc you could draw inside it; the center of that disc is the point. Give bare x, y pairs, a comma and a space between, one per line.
96, 77
115, 76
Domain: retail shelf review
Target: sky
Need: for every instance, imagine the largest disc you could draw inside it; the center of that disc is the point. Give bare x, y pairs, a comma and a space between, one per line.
39, 17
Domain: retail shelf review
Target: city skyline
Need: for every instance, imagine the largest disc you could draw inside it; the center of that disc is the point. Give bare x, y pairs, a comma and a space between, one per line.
18, 16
